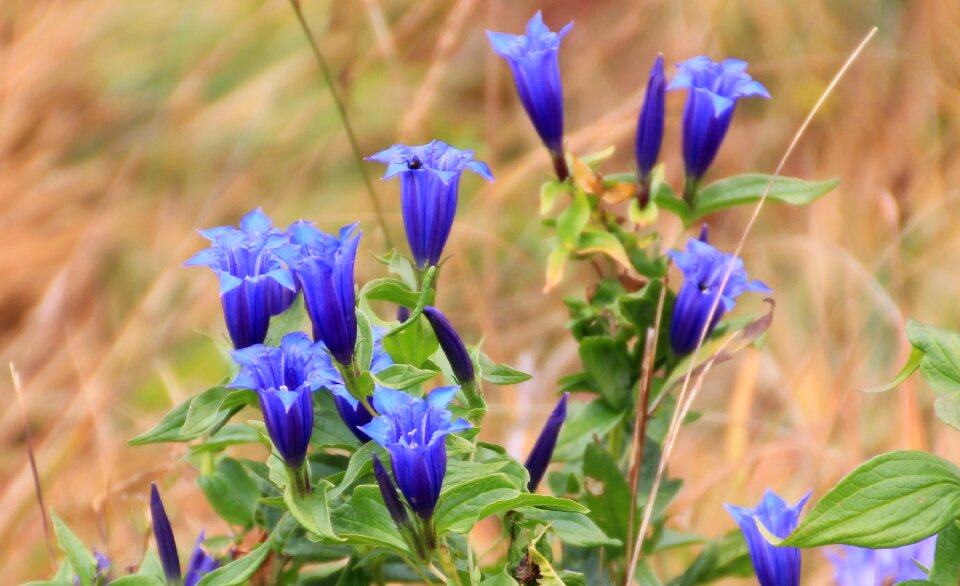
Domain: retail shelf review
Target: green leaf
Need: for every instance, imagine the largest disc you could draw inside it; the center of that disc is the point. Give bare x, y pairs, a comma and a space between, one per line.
229, 435
723, 558
549, 192
746, 189
573, 220
151, 566
239, 571
946, 561
231, 492
401, 266
291, 320
913, 362
573, 529
503, 578
363, 356
583, 421
608, 363
403, 376
665, 199
312, 511
328, 429
413, 345
500, 374
941, 355
947, 409
891, 500
365, 520
392, 290
212, 408
606, 493
136, 581
460, 506
80, 557
168, 429
361, 464
603, 242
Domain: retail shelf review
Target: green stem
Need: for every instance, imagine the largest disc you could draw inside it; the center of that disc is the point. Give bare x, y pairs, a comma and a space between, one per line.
690, 188
447, 564
300, 480
475, 401
342, 111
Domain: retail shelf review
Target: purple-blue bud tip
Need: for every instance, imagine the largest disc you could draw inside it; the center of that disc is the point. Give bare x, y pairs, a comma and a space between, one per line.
452, 345
163, 533
389, 492
542, 451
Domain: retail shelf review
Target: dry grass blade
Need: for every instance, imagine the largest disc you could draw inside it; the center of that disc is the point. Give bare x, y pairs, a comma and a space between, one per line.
687, 393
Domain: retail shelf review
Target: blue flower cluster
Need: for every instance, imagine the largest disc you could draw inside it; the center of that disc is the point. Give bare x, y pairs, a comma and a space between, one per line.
714, 89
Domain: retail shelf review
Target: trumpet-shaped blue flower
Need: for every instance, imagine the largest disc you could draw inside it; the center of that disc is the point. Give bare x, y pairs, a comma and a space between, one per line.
714, 89
534, 61
451, 344
414, 431
353, 413
284, 379
201, 563
650, 122
323, 265
859, 566
429, 184
542, 451
703, 268
774, 566
254, 283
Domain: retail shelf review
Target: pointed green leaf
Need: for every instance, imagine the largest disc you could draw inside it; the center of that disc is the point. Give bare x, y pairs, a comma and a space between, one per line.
403, 376
941, 355
894, 499
239, 571
746, 189
500, 374
945, 570
81, 559
231, 492
365, 520
913, 362
573, 220
312, 511
947, 409
168, 429
392, 290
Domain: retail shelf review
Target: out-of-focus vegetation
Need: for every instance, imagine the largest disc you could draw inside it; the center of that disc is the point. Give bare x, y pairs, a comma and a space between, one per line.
124, 126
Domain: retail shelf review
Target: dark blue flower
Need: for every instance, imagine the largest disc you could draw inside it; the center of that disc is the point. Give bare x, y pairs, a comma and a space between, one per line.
429, 182
859, 566
774, 566
254, 284
451, 344
201, 563
714, 91
650, 122
542, 451
353, 413
533, 59
414, 431
163, 533
284, 379
323, 265
703, 268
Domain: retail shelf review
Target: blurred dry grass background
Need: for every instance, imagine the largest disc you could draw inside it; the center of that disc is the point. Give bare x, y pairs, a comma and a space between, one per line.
124, 126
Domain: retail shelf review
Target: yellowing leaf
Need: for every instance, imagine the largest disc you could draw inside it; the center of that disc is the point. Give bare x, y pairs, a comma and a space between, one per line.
645, 216
605, 242
619, 192
585, 178
556, 262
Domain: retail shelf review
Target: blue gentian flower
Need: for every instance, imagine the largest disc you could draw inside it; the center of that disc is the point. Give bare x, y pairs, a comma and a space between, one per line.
650, 122
254, 283
451, 344
703, 268
774, 566
284, 379
542, 451
201, 563
414, 431
859, 566
714, 90
534, 61
163, 533
353, 413
429, 183
323, 265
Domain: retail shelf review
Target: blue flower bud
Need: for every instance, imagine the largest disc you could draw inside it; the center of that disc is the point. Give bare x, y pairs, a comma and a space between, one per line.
353, 413
414, 431
703, 268
254, 284
650, 122
714, 89
163, 533
284, 379
859, 566
542, 451
774, 566
534, 61
390, 497
451, 344
323, 265
201, 563
429, 185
